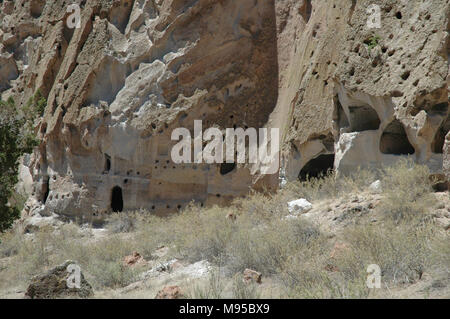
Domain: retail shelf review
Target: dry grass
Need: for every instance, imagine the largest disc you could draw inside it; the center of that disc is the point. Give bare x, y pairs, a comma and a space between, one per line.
407, 190
100, 260
213, 288
295, 253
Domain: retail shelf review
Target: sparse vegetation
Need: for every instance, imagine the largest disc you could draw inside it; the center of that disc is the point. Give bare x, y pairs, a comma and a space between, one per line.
122, 222
213, 288
36, 104
372, 42
407, 190
243, 290
297, 255
16, 139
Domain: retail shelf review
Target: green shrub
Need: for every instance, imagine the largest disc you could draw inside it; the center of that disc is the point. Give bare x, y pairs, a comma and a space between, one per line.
16, 138
36, 105
372, 42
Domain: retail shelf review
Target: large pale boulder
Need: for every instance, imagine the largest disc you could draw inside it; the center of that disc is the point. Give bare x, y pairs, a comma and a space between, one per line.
37, 222
299, 206
376, 187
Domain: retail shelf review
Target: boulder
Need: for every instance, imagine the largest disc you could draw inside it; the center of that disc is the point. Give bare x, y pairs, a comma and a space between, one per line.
170, 292
55, 284
134, 259
251, 275
375, 187
299, 206
36, 222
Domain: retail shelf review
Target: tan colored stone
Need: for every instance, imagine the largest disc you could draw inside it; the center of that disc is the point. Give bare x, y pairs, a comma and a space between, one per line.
170, 292
251, 275
135, 259
135, 70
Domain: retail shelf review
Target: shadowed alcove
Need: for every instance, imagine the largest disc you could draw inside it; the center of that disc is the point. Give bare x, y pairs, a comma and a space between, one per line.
395, 141
317, 167
116, 199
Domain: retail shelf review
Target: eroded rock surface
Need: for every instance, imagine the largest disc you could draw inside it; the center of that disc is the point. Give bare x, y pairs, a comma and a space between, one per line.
342, 94
371, 96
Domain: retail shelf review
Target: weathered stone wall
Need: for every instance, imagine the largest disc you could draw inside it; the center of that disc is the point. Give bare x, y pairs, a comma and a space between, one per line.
371, 106
135, 70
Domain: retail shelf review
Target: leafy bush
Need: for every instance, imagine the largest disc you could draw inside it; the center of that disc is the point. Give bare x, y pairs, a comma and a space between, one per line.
36, 105
372, 42
16, 138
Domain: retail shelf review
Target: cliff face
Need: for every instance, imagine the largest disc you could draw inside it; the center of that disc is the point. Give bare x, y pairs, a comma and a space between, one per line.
343, 95
369, 96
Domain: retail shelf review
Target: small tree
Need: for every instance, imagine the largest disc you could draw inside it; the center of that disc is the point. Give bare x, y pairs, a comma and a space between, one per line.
16, 139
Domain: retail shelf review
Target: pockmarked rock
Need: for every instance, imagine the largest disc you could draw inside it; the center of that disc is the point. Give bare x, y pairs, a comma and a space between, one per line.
342, 95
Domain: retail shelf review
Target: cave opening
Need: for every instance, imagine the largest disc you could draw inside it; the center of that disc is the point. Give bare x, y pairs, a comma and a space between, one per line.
107, 167
45, 189
318, 167
440, 186
437, 146
226, 168
395, 141
306, 10
116, 199
363, 118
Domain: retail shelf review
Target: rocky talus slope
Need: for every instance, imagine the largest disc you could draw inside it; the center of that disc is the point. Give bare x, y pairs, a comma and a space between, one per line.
342, 94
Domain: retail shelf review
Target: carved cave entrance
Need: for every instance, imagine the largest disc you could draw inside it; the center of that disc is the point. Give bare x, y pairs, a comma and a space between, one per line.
226, 168
395, 141
317, 167
116, 199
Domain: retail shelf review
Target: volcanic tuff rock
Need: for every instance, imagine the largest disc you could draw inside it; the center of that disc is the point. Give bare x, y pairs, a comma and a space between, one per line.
343, 95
